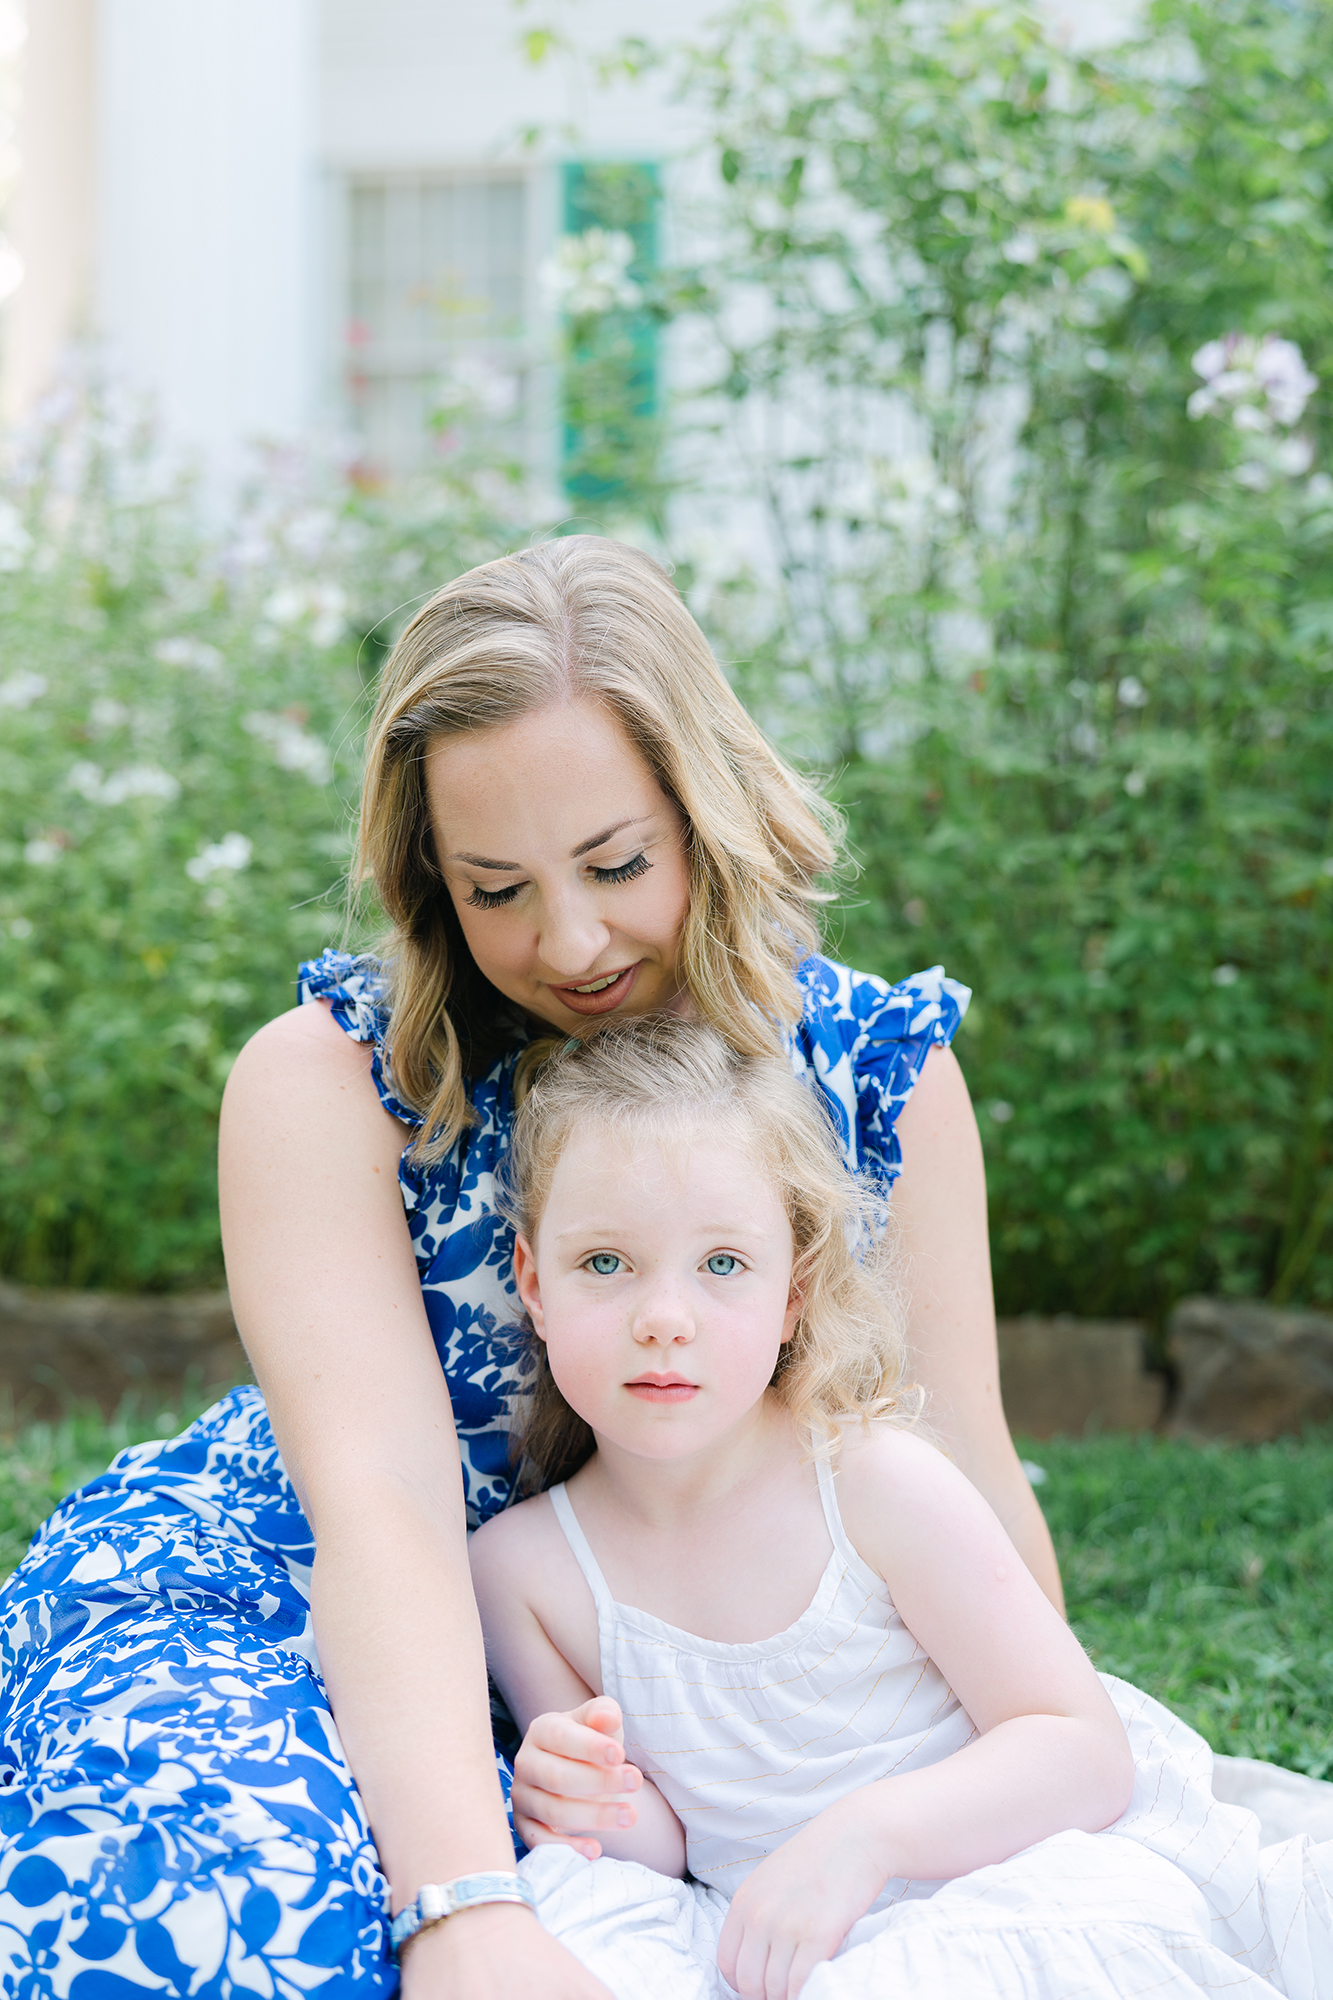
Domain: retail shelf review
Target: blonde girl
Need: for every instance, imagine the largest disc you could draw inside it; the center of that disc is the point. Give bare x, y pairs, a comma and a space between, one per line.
781, 1672
252, 1656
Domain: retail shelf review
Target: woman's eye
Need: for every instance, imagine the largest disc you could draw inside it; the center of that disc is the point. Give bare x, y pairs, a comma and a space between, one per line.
722, 1264
625, 873
492, 899
605, 1264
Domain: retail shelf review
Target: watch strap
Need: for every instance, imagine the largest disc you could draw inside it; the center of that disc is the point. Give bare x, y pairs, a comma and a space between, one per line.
435, 1901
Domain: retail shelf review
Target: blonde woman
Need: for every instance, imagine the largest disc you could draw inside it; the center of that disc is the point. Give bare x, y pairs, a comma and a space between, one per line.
244, 1678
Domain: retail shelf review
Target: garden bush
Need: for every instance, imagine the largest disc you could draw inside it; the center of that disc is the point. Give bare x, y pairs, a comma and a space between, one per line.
1007, 363
180, 713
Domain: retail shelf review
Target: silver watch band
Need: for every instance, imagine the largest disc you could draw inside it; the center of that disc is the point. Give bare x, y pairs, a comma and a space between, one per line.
437, 1900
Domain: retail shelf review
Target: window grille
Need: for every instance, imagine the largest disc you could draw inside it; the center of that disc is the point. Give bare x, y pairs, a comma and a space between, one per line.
440, 283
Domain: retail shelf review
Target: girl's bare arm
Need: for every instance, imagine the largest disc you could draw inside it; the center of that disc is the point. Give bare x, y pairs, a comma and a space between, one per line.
327, 1299
939, 1208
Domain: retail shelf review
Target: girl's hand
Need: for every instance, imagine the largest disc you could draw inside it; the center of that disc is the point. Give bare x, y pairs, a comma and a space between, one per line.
799, 1904
496, 1952
571, 1778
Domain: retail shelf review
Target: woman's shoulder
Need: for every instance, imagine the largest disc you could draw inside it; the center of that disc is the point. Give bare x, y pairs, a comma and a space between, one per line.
863, 1042
860, 1010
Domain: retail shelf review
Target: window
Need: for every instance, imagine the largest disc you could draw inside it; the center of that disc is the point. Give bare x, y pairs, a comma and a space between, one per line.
440, 282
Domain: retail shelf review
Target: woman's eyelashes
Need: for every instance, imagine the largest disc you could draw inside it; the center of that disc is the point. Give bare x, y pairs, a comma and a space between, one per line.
496, 899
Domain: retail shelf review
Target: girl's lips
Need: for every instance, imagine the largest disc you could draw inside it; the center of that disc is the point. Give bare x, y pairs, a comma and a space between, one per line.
598, 1003
669, 1391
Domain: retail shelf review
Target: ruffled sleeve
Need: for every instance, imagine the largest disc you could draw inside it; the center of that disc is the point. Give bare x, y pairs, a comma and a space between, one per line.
357, 992
864, 1043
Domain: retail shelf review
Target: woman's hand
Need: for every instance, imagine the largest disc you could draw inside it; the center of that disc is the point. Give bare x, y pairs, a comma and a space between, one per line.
571, 1778
798, 1905
496, 1952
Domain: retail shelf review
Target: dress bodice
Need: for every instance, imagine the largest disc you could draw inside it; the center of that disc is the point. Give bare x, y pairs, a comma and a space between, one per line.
860, 1043
749, 1743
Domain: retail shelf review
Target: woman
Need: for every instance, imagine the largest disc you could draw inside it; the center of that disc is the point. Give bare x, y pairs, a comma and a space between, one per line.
569, 818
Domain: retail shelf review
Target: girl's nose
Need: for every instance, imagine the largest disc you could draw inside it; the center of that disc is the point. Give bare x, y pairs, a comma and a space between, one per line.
572, 936
664, 1318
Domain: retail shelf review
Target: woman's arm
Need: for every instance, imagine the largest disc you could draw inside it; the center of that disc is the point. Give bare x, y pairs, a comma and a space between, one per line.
939, 1208
327, 1299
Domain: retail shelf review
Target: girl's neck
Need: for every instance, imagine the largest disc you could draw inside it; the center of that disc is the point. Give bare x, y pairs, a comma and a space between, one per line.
662, 1493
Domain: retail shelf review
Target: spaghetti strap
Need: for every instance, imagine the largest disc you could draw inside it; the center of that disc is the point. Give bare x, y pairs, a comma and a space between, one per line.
837, 1533
578, 1542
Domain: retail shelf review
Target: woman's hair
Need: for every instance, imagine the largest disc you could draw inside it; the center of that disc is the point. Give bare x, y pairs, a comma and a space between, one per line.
582, 618
673, 1078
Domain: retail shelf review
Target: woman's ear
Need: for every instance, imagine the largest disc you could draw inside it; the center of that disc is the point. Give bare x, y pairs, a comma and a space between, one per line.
525, 1277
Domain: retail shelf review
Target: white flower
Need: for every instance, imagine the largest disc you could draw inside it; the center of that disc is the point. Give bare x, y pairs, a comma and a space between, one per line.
22, 690
1294, 456
20, 927
1326, 867
194, 653
1022, 248
293, 749
589, 273
41, 853
1265, 382
15, 541
228, 855
108, 714
1225, 975
325, 604
1131, 692
1036, 1475
1084, 739
1000, 1111
133, 781
1136, 784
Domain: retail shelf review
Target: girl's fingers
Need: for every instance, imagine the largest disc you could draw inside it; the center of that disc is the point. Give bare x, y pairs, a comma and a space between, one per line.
573, 1778
572, 1815
566, 1736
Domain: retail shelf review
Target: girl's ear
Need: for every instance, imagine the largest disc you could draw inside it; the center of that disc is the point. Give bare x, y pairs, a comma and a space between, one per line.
791, 1319
525, 1277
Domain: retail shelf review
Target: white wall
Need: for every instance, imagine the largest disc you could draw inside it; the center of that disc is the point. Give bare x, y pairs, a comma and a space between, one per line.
206, 182
441, 82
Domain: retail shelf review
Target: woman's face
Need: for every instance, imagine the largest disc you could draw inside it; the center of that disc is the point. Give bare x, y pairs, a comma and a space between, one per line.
566, 863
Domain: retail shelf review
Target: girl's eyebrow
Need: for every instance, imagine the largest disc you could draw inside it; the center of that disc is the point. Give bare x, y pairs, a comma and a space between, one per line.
584, 847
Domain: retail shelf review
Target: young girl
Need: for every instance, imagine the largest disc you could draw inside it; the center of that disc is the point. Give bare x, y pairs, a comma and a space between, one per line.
781, 1672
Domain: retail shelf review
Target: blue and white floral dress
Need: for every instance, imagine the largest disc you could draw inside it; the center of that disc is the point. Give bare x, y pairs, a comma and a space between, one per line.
176, 1812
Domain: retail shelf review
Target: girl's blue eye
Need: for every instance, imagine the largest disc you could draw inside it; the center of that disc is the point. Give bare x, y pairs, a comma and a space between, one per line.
605, 1264
722, 1264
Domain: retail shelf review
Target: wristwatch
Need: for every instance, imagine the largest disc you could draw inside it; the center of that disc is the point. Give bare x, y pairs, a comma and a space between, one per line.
437, 1900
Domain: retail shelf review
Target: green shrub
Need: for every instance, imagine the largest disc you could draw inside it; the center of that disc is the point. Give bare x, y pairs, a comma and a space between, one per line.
1040, 563
181, 716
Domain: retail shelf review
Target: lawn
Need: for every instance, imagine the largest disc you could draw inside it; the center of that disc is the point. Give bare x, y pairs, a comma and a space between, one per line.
1200, 1572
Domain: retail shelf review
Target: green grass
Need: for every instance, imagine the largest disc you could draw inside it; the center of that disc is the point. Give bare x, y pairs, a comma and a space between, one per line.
1203, 1573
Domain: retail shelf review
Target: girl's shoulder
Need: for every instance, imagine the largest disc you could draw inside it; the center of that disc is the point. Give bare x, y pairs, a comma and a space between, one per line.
863, 1043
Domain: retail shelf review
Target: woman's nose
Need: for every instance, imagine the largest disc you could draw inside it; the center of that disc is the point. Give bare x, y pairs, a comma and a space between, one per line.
573, 936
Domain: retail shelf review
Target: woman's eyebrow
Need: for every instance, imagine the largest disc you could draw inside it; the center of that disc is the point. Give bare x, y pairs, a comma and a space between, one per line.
584, 847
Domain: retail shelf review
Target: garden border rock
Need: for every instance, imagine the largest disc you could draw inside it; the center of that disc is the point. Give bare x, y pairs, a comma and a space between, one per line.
58, 1348
1250, 1371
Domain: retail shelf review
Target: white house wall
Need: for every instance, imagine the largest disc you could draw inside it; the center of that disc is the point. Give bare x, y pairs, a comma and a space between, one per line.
206, 242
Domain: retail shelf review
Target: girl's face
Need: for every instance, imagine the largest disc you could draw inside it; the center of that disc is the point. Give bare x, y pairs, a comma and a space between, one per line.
661, 1283
566, 863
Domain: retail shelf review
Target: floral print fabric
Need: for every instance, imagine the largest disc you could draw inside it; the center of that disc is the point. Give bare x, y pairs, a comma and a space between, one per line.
176, 1813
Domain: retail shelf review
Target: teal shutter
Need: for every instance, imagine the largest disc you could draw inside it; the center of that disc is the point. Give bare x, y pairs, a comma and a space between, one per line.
609, 389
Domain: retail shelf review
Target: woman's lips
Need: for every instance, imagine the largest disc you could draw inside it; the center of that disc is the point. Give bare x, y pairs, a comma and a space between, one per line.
672, 1390
597, 1003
